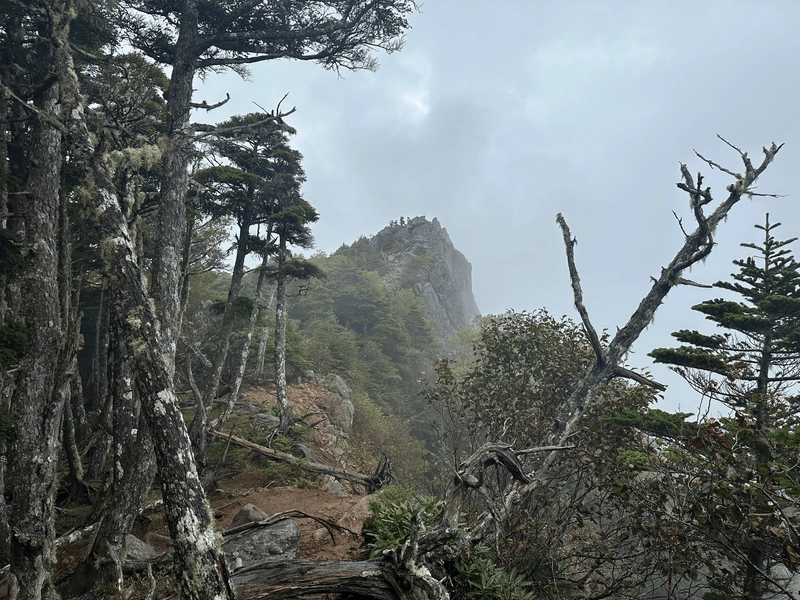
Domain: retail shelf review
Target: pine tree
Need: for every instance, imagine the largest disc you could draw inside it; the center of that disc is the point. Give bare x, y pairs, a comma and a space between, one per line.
746, 462
753, 363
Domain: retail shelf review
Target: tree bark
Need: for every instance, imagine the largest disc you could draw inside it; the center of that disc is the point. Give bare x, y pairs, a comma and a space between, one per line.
189, 519
242, 365
287, 419
35, 405
165, 284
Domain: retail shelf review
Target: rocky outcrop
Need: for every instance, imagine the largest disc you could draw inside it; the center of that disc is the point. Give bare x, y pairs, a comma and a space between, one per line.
338, 403
419, 255
280, 541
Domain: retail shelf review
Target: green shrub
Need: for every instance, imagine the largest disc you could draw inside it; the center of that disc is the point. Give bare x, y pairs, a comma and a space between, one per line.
392, 511
480, 577
256, 435
289, 474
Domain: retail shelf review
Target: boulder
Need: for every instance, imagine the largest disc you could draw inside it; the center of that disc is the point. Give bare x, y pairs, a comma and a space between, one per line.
280, 541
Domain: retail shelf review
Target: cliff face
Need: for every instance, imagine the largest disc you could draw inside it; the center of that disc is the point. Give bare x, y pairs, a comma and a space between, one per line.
418, 254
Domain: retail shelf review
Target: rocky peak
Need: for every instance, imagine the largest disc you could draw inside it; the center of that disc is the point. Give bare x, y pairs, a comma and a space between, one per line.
418, 254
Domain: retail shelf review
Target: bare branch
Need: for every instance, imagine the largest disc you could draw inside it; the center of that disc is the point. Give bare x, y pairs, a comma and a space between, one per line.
639, 378
684, 281
206, 106
680, 223
714, 165
542, 449
209, 130
569, 244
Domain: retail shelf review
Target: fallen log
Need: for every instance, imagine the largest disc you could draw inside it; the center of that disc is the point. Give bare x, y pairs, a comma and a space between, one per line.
302, 578
372, 483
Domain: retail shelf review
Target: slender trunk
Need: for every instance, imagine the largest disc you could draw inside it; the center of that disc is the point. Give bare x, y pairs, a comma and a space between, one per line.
280, 342
262, 344
100, 356
228, 317
197, 429
74, 463
237, 383
165, 284
82, 430
185, 257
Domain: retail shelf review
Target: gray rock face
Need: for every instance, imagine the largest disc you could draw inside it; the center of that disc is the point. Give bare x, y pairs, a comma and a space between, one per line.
420, 255
276, 542
340, 408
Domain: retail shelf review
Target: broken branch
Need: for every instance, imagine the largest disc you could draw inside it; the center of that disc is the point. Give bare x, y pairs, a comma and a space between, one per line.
569, 244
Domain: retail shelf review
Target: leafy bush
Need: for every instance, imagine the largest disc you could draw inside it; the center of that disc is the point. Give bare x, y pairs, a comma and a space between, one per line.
289, 474
482, 578
392, 513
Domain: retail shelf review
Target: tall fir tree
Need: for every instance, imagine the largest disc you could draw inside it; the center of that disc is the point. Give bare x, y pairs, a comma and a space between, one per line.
747, 461
752, 365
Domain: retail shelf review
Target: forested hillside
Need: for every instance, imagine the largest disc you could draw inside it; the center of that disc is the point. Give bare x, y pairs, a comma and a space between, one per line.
157, 299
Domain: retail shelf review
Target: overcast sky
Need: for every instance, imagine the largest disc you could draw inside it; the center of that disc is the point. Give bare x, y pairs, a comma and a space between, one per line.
498, 115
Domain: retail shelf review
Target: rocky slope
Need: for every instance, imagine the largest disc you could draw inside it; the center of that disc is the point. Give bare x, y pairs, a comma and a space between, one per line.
418, 254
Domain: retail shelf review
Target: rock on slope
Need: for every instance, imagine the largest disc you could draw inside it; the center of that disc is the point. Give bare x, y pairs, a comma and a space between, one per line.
418, 254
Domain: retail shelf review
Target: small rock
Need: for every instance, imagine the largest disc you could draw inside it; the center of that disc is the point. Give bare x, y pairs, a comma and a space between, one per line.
301, 451
137, 550
249, 514
265, 419
333, 486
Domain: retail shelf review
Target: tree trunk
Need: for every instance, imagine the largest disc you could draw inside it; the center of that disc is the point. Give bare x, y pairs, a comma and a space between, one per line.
228, 317
189, 519
35, 405
242, 366
165, 284
262, 343
287, 419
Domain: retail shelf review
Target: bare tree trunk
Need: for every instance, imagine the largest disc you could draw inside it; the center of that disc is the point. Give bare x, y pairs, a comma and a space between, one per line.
262, 344
224, 336
165, 284
242, 366
100, 357
197, 428
287, 419
74, 462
